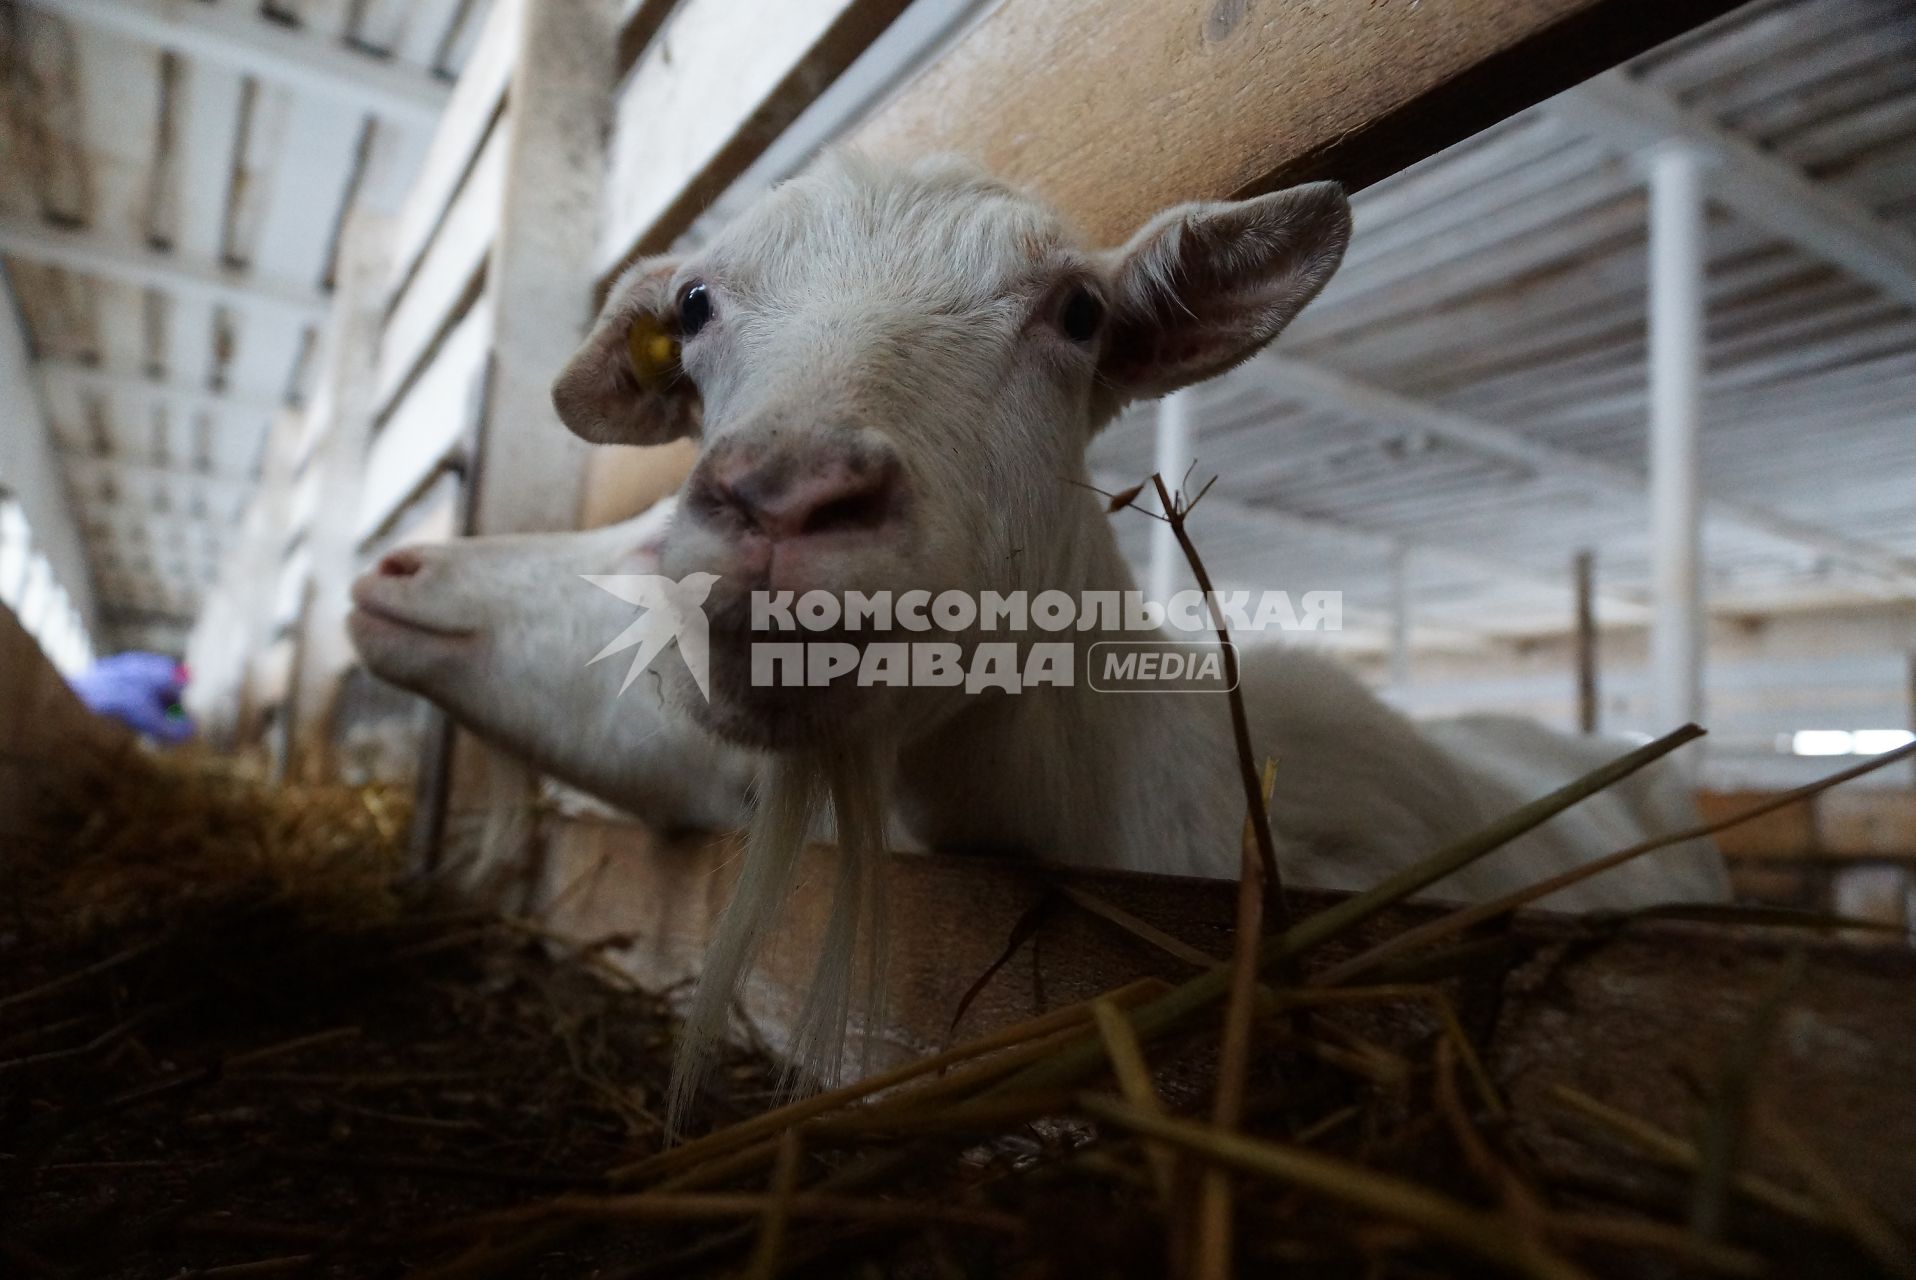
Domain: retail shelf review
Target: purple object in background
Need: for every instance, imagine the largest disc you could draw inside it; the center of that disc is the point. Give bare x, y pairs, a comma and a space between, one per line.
141, 691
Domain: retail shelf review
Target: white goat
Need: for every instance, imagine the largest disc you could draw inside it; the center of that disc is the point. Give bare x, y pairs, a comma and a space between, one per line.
1508, 761
498, 630
893, 375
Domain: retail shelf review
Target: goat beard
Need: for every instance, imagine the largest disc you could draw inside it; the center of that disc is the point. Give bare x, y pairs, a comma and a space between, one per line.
796, 793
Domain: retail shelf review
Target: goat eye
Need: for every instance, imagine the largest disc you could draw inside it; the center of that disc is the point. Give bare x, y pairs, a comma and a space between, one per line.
1081, 315
695, 308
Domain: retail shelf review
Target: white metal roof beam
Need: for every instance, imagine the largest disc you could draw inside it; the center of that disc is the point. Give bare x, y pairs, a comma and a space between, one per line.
1631, 117
179, 397
245, 42
1326, 388
1624, 605
92, 254
229, 484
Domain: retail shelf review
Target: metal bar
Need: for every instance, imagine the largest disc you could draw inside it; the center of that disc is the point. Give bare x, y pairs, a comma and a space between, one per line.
1676, 368
1585, 571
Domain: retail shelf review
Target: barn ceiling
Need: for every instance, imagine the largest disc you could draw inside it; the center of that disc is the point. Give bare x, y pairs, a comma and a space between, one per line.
1470, 391
173, 179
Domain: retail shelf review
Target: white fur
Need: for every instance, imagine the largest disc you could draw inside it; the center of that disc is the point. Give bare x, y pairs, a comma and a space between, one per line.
498, 631
910, 316
1509, 761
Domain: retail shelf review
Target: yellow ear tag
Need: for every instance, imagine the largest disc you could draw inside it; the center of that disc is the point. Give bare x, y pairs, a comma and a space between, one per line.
654, 352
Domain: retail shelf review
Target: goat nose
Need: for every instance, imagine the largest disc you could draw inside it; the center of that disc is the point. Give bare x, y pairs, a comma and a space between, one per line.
783, 497
403, 563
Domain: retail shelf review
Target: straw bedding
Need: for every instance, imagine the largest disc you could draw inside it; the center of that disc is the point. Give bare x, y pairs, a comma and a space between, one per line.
236, 1039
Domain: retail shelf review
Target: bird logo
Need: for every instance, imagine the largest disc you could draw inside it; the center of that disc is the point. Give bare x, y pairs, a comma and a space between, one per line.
672, 611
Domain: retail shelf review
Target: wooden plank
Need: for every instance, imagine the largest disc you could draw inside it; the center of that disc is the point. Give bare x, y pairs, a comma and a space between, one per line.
1631, 1015
426, 307
638, 29
1787, 833
529, 468
462, 129
622, 482
303, 504
1867, 824
1873, 892
1639, 1020
289, 595
1845, 825
708, 98
1114, 110
430, 420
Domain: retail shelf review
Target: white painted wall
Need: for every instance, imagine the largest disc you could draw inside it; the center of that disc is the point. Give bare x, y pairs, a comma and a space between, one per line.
29, 469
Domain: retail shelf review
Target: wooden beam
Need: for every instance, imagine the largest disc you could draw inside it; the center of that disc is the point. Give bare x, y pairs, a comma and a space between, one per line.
470, 116
232, 38
1115, 110
431, 421
1315, 384
90, 253
1623, 1014
1630, 118
726, 97
444, 277
179, 397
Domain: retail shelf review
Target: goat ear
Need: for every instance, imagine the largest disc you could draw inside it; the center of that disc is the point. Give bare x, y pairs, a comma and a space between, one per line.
1202, 287
625, 386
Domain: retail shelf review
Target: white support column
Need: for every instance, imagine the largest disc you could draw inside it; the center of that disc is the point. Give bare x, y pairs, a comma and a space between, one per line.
1176, 441
1400, 619
529, 472
1676, 371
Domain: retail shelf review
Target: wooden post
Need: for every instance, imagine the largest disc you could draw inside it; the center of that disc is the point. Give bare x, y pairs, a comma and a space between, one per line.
1400, 619
529, 471
1585, 571
351, 375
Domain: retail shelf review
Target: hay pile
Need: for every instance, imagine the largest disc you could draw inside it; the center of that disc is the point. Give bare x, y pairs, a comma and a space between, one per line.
236, 1042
